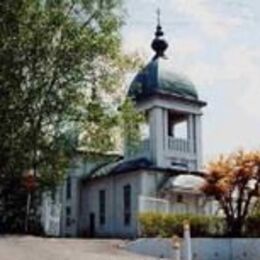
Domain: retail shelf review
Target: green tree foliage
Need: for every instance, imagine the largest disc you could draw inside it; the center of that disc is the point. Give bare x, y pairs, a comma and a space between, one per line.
60, 75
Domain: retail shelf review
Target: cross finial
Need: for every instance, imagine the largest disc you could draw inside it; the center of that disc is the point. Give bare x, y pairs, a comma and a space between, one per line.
159, 45
158, 16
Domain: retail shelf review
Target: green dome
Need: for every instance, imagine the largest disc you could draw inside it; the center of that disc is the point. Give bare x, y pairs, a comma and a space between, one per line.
157, 78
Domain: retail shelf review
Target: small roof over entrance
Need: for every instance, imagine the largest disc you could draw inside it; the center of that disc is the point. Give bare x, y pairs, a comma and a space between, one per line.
184, 183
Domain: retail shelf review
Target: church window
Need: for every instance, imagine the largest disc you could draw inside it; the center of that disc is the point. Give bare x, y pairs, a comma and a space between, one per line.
127, 205
53, 195
68, 188
68, 216
102, 207
179, 198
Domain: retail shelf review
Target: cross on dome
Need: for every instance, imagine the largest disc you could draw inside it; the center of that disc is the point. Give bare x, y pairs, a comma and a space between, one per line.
159, 45
158, 16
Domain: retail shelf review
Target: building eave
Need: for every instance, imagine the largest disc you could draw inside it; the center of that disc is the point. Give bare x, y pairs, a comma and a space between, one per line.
118, 167
172, 97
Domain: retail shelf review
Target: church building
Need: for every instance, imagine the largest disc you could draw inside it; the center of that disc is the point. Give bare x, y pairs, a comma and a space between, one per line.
103, 195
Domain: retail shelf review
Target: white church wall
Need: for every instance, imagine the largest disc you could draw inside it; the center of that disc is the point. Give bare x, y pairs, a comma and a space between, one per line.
81, 164
134, 179
149, 182
69, 216
70, 208
113, 185
90, 204
85, 200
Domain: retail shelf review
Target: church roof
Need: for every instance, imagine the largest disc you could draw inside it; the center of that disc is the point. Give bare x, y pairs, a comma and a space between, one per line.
120, 166
157, 78
128, 166
182, 182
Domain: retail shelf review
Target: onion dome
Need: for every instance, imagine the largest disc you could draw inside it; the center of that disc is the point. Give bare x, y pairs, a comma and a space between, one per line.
157, 78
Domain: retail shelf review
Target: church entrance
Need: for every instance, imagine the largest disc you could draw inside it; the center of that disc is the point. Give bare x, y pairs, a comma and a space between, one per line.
92, 228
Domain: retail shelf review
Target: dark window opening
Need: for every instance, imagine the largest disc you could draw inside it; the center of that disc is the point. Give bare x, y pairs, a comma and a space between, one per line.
68, 188
68, 216
127, 205
53, 195
102, 207
179, 198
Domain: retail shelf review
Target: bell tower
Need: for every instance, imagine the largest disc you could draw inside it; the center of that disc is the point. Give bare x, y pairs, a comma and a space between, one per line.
173, 112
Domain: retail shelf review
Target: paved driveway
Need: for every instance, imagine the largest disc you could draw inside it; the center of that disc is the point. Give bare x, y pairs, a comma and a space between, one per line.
35, 248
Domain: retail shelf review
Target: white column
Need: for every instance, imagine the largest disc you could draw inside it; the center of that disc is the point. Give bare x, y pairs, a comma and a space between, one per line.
165, 130
198, 140
157, 135
191, 136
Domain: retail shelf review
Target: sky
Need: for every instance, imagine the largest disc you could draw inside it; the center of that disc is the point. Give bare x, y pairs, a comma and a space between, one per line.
216, 44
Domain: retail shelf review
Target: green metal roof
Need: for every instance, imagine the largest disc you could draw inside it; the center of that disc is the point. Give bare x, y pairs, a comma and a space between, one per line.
156, 78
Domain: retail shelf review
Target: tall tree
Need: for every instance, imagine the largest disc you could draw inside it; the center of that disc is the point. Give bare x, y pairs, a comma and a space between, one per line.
60, 76
234, 181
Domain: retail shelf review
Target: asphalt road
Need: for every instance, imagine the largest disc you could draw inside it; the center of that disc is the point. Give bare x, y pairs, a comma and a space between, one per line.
36, 248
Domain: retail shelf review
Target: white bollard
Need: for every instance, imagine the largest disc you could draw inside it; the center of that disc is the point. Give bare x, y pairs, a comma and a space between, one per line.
176, 248
187, 253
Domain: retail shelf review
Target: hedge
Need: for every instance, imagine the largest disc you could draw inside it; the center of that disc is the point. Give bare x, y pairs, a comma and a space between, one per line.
166, 225
252, 225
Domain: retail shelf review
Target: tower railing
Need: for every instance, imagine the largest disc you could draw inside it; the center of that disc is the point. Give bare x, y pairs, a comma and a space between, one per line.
179, 145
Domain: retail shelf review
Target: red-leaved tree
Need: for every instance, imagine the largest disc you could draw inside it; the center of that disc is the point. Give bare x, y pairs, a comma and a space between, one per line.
234, 181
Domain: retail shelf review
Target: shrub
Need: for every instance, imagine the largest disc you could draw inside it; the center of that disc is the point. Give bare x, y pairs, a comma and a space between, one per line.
252, 225
151, 224
166, 225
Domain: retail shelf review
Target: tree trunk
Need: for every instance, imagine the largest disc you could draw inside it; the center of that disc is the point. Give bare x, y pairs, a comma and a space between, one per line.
235, 227
27, 213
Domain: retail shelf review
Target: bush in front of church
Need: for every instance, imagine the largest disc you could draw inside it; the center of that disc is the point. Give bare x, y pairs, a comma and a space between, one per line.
252, 225
166, 225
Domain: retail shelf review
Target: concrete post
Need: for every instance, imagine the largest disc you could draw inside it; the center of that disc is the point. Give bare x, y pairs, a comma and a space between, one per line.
187, 241
176, 248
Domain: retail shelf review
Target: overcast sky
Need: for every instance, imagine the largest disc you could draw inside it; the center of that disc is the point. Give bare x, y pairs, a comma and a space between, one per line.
217, 45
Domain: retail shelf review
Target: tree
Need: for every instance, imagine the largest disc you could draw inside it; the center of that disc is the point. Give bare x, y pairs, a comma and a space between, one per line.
60, 76
234, 181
